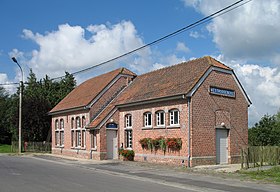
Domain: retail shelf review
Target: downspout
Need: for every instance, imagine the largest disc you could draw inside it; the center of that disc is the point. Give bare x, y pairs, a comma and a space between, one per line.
189, 131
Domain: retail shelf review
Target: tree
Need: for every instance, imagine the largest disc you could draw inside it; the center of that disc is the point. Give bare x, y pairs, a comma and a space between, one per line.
5, 134
39, 97
266, 131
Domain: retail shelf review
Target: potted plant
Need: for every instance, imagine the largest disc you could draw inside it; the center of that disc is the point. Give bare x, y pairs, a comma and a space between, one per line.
146, 143
174, 143
128, 155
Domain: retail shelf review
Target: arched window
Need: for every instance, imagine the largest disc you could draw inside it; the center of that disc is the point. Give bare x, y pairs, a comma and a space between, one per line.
56, 124
148, 119
160, 118
61, 124
174, 117
83, 121
72, 123
78, 122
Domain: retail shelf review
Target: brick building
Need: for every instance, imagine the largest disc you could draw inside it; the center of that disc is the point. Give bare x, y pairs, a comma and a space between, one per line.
198, 108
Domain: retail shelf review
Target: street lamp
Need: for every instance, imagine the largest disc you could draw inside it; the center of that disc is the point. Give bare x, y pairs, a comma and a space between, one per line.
20, 105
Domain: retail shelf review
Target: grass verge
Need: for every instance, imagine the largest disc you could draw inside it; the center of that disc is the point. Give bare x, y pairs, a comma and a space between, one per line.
270, 175
5, 148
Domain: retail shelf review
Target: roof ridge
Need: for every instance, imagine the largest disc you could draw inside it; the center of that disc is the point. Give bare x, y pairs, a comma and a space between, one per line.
169, 66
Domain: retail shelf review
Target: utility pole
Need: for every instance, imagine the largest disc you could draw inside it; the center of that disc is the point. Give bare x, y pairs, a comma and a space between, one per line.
20, 105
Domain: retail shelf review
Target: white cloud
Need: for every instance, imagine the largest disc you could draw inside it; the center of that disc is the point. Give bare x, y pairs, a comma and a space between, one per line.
67, 49
182, 47
196, 35
261, 84
249, 31
3, 78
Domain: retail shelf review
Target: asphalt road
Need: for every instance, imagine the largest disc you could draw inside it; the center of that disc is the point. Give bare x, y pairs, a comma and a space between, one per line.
47, 173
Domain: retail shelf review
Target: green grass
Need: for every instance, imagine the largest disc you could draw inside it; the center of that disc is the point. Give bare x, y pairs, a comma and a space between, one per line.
271, 175
5, 148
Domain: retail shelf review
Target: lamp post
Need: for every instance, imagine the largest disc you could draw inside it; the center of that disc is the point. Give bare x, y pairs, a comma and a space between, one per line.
20, 105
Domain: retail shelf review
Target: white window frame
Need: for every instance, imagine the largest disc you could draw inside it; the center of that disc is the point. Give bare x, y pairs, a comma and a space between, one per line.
172, 119
128, 121
78, 122
128, 138
78, 137
59, 132
93, 140
148, 119
160, 117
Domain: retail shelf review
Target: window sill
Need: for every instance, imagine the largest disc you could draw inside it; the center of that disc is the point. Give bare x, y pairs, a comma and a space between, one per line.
94, 149
58, 146
79, 148
160, 127
173, 127
147, 128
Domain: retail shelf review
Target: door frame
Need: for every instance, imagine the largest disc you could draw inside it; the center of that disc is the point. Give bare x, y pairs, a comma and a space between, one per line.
114, 143
225, 150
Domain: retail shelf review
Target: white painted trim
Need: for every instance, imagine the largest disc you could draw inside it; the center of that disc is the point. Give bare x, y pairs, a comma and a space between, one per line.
205, 75
66, 110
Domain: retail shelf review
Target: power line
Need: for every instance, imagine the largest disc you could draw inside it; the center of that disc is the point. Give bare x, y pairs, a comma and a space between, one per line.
190, 26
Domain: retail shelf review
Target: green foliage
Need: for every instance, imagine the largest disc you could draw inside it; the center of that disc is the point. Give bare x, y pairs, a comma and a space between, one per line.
266, 131
161, 143
39, 97
5, 134
271, 175
5, 148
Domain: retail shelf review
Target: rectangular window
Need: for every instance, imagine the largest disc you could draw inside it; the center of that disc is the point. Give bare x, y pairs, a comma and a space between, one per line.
128, 138
160, 118
128, 121
174, 117
78, 138
83, 137
93, 140
57, 138
148, 119
73, 138
61, 138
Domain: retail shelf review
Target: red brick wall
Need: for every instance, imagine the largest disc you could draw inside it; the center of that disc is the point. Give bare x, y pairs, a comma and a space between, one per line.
208, 111
140, 132
87, 152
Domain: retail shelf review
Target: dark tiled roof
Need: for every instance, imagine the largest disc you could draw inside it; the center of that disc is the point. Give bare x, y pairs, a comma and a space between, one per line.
170, 81
83, 94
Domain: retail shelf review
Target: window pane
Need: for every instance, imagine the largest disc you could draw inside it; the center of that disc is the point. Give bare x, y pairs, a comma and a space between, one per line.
72, 138
62, 138
93, 140
176, 117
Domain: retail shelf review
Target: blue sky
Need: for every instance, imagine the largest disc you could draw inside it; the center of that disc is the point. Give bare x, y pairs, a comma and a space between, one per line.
52, 37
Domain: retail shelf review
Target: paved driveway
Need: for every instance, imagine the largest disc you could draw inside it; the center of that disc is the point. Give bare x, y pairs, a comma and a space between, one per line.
49, 173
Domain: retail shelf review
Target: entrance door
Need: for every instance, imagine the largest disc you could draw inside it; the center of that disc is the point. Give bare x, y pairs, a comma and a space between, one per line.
112, 144
222, 146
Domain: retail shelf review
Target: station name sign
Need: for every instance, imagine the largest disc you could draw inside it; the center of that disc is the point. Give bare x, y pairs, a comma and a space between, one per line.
222, 92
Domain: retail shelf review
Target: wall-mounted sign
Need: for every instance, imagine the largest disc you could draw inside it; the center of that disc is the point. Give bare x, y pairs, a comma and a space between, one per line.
111, 126
221, 91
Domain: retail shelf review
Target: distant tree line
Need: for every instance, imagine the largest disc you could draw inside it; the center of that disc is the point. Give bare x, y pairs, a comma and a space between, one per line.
266, 131
38, 98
